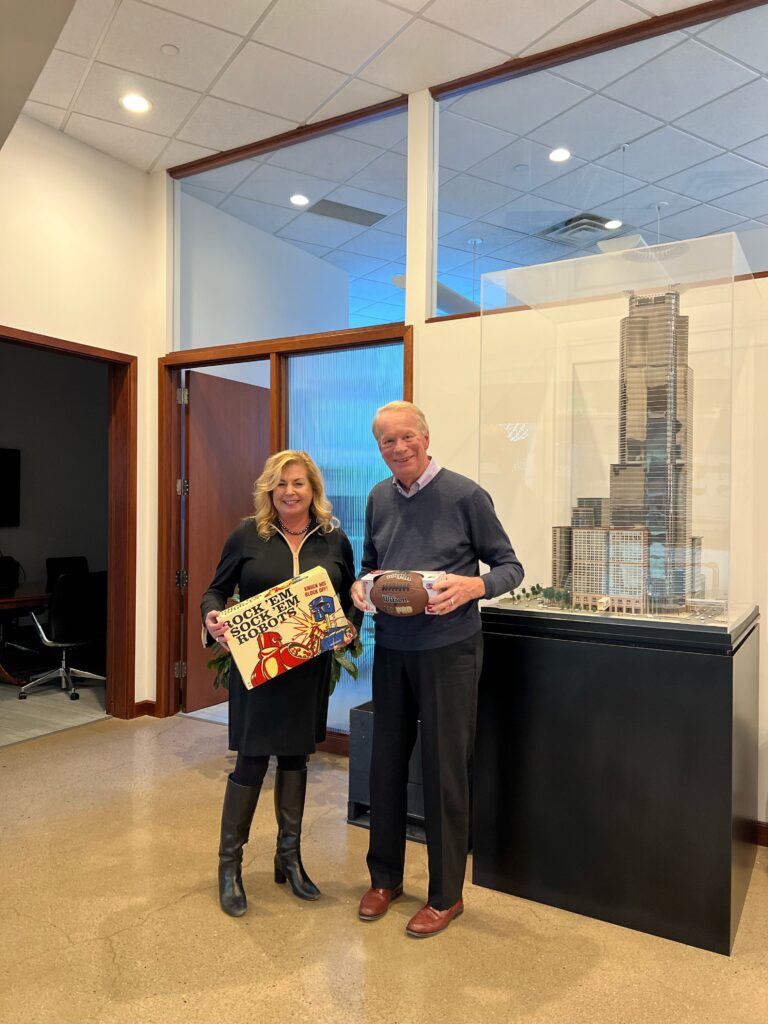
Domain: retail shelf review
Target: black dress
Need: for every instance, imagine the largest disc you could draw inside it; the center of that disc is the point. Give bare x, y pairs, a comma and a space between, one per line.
285, 715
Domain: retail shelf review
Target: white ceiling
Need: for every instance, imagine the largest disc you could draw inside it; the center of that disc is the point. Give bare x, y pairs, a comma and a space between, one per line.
690, 107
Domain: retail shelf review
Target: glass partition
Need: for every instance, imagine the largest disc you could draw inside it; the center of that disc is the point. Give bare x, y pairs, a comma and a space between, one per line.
616, 401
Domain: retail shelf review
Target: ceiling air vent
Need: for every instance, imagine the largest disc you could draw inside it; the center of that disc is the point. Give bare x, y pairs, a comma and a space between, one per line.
583, 227
340, 211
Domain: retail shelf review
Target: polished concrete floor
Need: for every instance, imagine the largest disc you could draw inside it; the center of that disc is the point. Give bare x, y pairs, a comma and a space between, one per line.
108, 913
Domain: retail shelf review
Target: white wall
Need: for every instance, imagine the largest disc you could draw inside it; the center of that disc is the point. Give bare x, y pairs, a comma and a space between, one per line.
240, 284
85, 257
55, 411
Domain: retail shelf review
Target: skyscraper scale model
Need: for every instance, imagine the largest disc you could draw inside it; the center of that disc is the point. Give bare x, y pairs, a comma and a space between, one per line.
633, 552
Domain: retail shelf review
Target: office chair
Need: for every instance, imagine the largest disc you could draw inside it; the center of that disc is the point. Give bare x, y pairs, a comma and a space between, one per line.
74, 621
55, 567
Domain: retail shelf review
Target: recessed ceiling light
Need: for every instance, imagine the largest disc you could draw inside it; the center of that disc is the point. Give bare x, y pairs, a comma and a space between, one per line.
520, 167
612, 225
169, 49
135, 103
299, 200
560, 155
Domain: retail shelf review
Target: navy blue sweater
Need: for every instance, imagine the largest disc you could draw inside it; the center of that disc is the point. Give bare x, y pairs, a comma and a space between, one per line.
451, 526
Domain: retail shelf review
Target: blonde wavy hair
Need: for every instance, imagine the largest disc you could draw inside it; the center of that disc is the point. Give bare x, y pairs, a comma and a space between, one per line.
265, 514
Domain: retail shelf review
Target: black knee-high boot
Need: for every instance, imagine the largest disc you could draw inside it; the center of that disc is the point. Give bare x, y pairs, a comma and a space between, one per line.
290, 792
236, 817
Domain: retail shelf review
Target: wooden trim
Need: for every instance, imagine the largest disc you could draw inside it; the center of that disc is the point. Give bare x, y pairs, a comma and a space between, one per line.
451, 316
759, 833
121, 577
121, 509
408, 364
634, 33
278, 413
253, 350
296, 135
168, 542
335, 742
144, 707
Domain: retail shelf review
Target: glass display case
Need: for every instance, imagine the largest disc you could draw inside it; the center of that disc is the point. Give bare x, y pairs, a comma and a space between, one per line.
617, 431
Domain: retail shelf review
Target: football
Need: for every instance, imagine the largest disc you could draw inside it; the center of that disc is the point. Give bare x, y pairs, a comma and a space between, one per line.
399, 592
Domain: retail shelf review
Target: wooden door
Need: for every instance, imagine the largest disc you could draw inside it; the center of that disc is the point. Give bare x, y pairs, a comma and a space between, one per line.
227, 439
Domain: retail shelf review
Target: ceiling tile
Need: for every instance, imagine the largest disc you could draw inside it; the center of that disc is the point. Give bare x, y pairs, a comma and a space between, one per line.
308, 227
489, 237
742, 36
699, 220
276, 82
588, 186
679, 80
726, 173
134, 147
377, 243
355, 95
749, 202
84, 26
491, 23
235, 15
660, 154
597, 17
530, 214
387, 272
601, 69
176, 153
59, 79
311, 248
260, 215
665, 6
366, 200
532, 250
353, 262
103, 87
448, 222
757, 150
472, 197
396, 224
276, 185
521, 104
362, 288
464, 142
595, 127
474, 270
205, 195
52, 116
227, 178
645, 206
341, 34
425, 54
448, 259
138, 31
734, 119
227, 125
330, 157
386, 132
388, 175
524, 165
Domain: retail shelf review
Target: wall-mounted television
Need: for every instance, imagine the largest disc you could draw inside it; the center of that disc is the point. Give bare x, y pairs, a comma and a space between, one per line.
10, 486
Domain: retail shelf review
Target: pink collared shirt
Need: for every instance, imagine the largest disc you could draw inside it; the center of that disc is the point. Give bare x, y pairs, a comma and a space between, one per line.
428, 475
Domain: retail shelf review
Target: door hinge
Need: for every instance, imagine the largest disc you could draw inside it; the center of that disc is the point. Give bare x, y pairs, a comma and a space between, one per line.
182, 396
182, 577
182, 488
180, 670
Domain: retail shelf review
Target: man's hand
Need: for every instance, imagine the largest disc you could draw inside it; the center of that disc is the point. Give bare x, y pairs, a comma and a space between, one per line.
357, 592
454, 591
218, 630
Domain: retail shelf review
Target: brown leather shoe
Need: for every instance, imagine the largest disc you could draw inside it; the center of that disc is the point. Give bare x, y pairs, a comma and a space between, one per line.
429, 921
375, 903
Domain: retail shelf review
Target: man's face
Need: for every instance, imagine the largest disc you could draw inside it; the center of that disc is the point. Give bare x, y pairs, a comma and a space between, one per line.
403, 446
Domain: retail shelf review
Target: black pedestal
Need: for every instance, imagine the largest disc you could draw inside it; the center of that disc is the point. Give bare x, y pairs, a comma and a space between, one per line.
616, 769
358, 808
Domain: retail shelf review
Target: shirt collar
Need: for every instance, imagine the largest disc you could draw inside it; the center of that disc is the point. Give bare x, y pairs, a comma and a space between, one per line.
426, 477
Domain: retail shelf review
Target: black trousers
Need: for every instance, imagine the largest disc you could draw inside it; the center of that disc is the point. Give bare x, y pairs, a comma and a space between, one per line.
439, 688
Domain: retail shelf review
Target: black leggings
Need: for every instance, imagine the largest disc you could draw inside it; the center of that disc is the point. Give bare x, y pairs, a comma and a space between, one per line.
250, 771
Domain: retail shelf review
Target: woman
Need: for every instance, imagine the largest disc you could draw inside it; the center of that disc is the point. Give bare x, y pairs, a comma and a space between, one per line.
292, 531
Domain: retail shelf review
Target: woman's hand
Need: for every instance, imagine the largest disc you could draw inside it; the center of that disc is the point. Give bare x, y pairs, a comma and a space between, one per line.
454, 591
218, 630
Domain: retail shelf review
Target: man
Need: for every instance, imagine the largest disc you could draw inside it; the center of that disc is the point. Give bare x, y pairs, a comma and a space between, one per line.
427, 666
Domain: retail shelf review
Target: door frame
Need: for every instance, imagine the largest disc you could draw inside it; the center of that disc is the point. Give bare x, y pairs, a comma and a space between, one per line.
121, 511
168, 698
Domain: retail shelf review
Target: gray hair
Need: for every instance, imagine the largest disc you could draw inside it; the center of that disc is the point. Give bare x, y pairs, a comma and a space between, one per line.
400, 407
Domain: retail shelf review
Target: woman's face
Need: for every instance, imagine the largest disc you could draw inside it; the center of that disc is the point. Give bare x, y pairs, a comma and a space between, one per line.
293, 495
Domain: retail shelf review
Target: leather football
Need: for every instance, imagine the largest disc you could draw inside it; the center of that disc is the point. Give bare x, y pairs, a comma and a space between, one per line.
399, 592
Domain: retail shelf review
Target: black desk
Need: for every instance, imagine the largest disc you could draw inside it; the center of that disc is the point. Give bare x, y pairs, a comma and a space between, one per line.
616, 771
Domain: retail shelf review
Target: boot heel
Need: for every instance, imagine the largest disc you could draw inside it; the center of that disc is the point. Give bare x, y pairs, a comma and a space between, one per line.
280, 878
